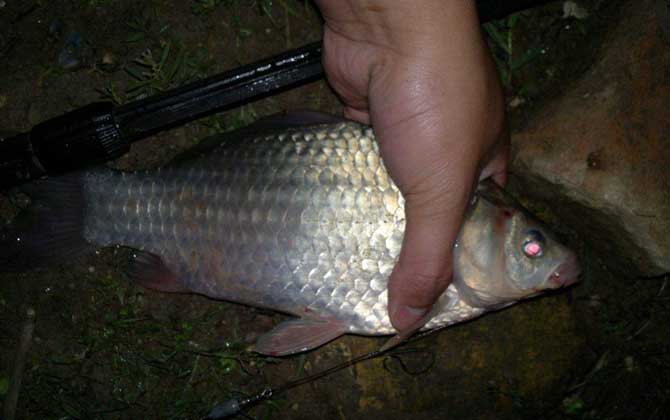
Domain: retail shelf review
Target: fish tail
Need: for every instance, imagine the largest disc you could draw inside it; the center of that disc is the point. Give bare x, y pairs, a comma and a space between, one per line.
51, 229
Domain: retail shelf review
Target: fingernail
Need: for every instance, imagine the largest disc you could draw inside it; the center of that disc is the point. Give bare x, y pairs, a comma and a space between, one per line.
417, 312
406, 316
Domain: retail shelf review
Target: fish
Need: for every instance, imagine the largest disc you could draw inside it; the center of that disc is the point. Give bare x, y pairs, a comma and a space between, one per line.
295, 213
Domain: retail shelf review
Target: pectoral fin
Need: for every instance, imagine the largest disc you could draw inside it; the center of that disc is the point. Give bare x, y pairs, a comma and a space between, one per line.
299, 335
150, 271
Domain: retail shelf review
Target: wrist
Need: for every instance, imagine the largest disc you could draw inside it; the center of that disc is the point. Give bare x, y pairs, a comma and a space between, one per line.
406, 26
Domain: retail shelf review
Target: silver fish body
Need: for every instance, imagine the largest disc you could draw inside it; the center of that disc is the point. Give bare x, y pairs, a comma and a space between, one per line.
295, 221
305, 220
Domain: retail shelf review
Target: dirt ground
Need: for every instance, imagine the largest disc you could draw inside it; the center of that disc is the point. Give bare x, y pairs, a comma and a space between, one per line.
104, 348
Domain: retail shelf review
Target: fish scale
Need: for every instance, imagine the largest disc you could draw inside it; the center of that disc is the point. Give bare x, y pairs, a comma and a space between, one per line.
292, 212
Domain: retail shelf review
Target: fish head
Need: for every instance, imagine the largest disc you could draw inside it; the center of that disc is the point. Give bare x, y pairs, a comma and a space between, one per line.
503, 254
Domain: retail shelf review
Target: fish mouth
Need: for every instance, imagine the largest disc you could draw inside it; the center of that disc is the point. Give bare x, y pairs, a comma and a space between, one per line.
566, 274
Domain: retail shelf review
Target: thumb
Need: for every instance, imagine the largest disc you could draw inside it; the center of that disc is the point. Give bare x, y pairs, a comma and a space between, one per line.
424, 267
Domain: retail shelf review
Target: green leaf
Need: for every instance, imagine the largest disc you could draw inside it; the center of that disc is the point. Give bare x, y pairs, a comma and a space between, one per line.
176, 65
164, 56
139, 85
228, 365
266, 8
71, 411
512, 20
573, 405
527, 57
134, 74
497, 37
136, 37
4, 385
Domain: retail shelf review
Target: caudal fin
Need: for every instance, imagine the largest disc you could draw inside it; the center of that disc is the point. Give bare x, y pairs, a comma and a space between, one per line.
50, 230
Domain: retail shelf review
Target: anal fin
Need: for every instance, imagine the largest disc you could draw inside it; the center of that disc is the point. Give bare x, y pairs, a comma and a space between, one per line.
299, 335
150, 271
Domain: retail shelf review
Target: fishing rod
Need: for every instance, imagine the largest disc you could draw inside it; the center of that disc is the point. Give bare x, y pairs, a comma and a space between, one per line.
101, 131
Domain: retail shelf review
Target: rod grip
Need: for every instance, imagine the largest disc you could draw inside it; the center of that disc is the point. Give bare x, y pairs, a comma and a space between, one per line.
82, 137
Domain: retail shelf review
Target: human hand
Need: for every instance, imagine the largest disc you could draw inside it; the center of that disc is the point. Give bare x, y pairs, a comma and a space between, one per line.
421, 74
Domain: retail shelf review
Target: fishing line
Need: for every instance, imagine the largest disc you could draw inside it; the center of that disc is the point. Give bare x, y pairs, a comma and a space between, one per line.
395, 356
235, 406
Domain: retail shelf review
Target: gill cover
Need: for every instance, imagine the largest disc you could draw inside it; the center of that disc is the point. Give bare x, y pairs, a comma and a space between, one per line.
491, 269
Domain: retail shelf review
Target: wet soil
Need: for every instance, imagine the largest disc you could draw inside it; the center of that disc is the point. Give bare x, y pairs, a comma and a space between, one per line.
105, 348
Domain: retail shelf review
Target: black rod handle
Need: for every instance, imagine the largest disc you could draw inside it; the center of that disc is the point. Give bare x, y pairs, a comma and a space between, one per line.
87, 135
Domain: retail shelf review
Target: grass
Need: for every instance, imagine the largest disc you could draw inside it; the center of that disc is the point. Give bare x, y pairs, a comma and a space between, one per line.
142, 27
120, 356
169, 66
95, 3
207, 7
158, 69
503, 39
634, 357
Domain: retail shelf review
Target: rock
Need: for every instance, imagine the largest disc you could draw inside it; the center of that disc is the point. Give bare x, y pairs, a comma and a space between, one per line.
36, 112
56, 28
108, 62
598, 154
572, 9
71, 57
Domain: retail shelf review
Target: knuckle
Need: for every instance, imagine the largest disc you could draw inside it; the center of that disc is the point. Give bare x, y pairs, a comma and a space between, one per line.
419, 285
429, 282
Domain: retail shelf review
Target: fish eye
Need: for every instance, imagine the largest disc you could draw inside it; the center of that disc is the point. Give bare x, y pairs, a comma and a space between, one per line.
533, 244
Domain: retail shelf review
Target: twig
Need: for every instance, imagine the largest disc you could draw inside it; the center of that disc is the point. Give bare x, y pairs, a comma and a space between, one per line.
12, 397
